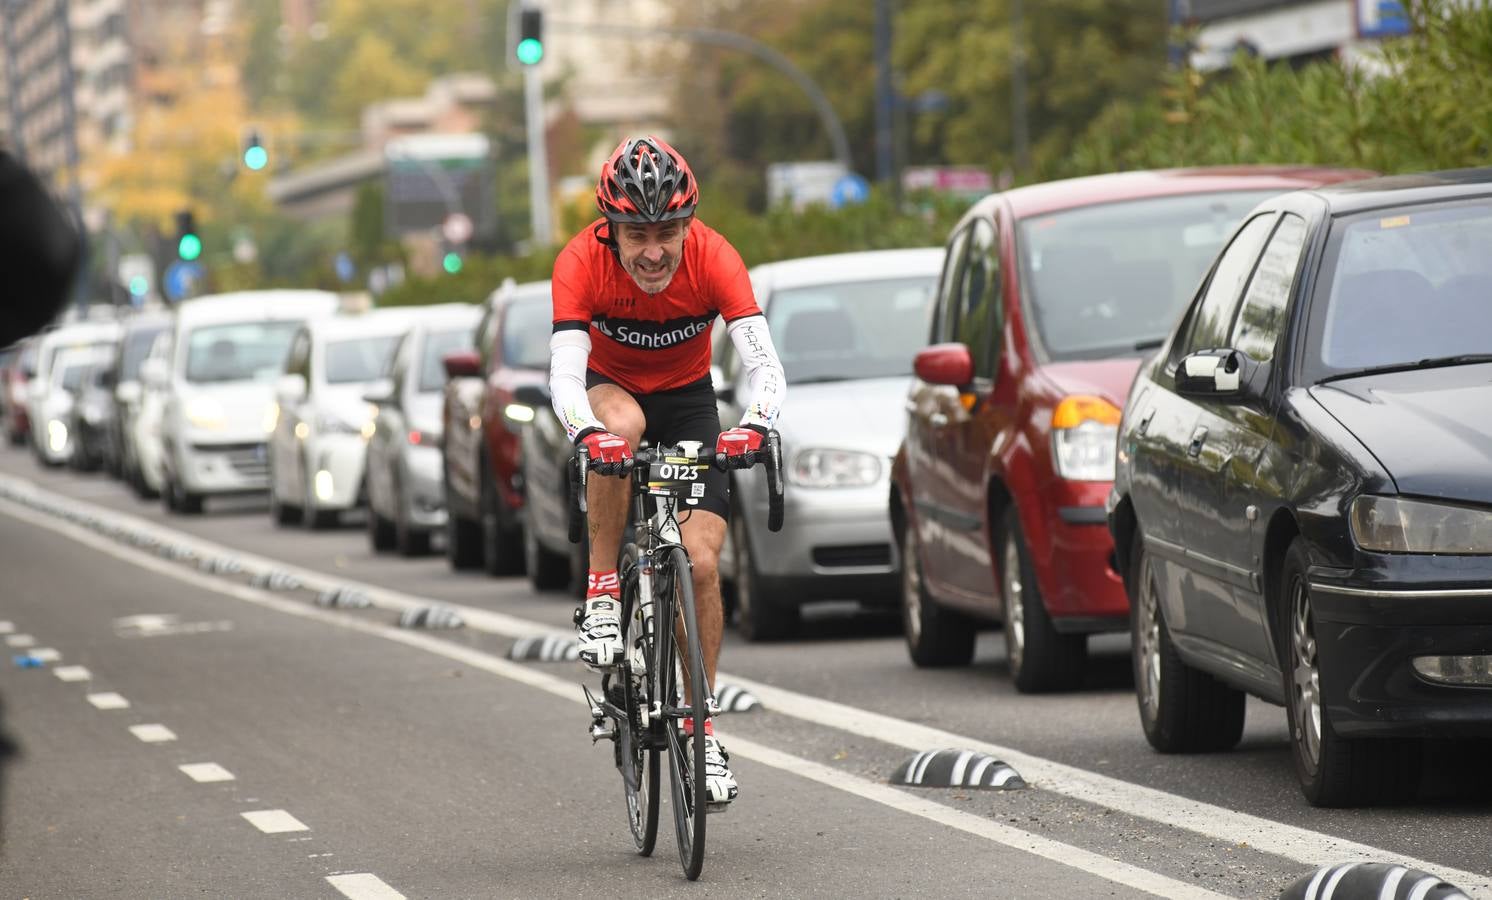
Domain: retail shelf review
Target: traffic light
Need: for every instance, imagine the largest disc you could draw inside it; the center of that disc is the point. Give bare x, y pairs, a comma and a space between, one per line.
255, 157
451, 262
530, 48
188, 242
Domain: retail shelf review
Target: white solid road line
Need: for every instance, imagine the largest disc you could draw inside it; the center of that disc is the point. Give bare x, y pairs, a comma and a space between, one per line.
108, 701
363, 886
153, 734
72, 673
206, 772
274, 821
1291, 842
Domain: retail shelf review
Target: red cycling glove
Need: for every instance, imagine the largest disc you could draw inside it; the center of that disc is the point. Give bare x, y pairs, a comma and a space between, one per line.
740, 444
609, 452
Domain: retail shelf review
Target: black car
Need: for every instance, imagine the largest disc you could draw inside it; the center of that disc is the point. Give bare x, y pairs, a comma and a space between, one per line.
1303, 502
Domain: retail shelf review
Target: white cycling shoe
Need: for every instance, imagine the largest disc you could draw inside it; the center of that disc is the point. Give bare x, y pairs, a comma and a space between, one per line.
598, 625
720, 784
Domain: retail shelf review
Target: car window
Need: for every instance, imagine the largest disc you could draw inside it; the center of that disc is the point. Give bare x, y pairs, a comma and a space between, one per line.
527, 325
850, 330
1262, 316
978, 320
241, 351
949, 288
1214, 314
358, 359
136, 347
437, 345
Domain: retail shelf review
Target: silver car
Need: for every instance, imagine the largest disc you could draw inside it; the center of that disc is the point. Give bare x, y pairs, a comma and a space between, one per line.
406, 497
846, 327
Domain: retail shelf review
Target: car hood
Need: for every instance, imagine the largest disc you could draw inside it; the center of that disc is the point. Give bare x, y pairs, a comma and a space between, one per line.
1106, 378
1429, 427
848, 415
242, 404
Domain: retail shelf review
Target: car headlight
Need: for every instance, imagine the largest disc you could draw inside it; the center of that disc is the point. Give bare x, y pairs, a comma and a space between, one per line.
205, 413
1399, 525
271, 418
1085, 431
821, 468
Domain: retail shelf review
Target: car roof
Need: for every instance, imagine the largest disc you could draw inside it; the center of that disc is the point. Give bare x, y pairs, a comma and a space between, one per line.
866, 265
448, 315
88, 332
1406, 190
1051, 196
256, 305
379, 323
528, 290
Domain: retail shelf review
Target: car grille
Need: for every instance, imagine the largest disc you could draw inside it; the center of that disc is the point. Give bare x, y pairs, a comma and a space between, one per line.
852, 555
248, 460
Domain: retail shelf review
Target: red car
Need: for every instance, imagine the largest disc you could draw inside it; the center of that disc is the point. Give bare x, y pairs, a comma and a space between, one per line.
1050, 297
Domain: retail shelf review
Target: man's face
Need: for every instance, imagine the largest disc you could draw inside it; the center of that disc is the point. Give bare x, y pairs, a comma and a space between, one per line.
650, 253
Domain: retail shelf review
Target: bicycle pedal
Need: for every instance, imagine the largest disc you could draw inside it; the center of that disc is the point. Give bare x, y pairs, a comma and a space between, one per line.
602, 730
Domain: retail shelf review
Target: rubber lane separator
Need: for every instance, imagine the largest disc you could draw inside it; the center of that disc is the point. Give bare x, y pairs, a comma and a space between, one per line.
274, 821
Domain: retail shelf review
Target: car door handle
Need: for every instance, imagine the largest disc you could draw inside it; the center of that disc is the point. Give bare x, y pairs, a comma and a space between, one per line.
938, 420
1145, 422
1199, 437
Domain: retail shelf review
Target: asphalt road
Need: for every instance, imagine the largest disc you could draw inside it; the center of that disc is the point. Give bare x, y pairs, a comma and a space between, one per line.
423, 763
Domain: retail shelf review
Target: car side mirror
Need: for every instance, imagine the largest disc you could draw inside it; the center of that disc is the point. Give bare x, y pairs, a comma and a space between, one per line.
1218, 374
128, 393
531, 395
949, 364
462, 364
291, 388
380, 392
153, 373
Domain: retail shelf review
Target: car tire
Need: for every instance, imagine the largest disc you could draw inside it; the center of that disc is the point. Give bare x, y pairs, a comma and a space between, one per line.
408, 540
547, 570
936, 636
1333, 771
502, 548
179, 500
756, 618
463, 536
380, 532
1182, 709
1041, 658
280, 512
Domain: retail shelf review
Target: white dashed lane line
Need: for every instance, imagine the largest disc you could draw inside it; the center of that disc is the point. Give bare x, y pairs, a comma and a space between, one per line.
152, 734
274, 821
20, 640
108, 701
206, 772
363, 886
7, 627
72, 673
45, 654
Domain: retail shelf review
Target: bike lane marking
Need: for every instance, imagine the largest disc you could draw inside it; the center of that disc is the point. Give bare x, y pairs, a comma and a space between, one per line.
1301, 845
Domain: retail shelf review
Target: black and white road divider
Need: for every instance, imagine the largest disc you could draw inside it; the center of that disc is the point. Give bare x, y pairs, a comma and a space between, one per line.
734, 698
220, 565
1371, 881
436, 616
957, 768
343, 598
275, 581
545, 648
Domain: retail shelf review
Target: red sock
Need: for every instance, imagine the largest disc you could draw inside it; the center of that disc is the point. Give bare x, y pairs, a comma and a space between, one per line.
598, 583
689, 727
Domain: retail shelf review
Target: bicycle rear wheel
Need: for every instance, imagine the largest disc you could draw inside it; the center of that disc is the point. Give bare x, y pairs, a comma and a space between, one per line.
636, 752
686, 758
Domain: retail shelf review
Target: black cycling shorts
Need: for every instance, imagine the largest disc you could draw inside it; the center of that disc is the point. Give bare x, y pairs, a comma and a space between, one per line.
685, 413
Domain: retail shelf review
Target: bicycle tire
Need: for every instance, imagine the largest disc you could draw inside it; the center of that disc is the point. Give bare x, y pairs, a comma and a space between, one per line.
686, 759
636, 751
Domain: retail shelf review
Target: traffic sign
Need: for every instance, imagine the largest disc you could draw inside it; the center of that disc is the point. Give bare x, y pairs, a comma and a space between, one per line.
849, 189
457, 228
182, 279
345, 268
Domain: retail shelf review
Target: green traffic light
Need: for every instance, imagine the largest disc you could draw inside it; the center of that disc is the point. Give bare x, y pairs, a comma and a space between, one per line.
530, 51
256, 158
189, 247
452, 263
139, 285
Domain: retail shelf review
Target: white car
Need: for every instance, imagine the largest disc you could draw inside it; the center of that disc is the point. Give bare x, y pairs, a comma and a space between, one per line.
317, 431
48, 432
143, 439
140, 336
70, 366
218, 376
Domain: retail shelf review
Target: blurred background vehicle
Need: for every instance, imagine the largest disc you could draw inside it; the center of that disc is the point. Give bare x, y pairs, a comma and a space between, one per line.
551, 561
1051, 296
218, 378
318, 423
1304, 506
140, 332
14, 377
482, 424
143, 440
70, 369
91, 422
406, 494
846, 327
48, 435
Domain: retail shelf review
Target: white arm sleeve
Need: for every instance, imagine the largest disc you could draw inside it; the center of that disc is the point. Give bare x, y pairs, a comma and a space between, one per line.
763, 370
569, 351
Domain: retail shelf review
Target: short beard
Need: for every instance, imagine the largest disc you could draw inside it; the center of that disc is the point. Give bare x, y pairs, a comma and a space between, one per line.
658, 290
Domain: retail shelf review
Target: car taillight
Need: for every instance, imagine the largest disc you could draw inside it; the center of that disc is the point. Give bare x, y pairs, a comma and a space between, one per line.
416, 437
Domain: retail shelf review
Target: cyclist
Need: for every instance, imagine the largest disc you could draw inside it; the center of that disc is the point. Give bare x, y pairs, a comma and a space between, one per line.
636, 294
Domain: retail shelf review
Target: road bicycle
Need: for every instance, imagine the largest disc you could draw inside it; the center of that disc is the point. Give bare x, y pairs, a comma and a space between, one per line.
646, 700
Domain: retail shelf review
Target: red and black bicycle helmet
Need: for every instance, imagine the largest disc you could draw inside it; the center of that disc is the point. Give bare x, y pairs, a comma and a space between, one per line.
645, 180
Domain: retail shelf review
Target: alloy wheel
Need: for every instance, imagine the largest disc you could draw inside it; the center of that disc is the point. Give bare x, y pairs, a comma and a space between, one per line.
1015, 607
1306, 680
911, 585
1148, 651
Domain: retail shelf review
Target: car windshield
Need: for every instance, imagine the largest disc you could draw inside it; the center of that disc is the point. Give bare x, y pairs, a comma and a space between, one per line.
359, 359
71, 368
526, 329
1105, 280
437, 345
136, 348
850, 330
241, 351
1405, 285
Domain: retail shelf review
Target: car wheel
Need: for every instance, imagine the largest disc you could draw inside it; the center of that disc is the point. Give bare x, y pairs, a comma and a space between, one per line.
408, 540
756, 618
380, 532
463, 536
280, 512
547, 570
502, 548
1182, 709
1333, 771
936, 636
1041, 658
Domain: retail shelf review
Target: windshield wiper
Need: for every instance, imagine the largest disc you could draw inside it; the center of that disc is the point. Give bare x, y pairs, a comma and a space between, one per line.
1429, 362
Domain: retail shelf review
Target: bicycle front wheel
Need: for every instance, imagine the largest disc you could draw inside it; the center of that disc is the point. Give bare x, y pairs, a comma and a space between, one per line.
636, 752
686, 758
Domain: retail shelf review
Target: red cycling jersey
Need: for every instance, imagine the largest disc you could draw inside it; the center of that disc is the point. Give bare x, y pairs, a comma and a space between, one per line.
650, 342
